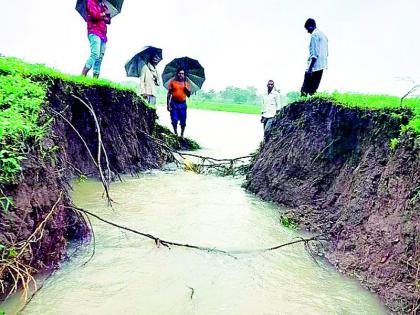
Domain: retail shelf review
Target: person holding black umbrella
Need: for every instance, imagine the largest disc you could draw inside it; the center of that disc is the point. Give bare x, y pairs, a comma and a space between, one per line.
149, 80
178, 91
97, 17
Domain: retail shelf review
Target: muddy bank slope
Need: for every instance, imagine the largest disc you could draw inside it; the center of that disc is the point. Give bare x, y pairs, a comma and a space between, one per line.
338, 171
36, 222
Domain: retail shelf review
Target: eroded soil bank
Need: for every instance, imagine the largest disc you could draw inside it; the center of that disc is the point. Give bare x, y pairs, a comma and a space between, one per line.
336, 170
37, 226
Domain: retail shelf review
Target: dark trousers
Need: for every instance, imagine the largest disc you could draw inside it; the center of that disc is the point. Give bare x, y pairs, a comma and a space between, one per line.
311, 83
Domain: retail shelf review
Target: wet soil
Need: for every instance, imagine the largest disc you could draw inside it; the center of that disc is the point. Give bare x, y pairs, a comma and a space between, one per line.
334, 167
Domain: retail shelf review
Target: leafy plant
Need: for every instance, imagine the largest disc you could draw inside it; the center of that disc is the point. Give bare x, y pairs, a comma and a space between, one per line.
20, 104
5, 203
82, 178
287, 222
11, 252
393, 143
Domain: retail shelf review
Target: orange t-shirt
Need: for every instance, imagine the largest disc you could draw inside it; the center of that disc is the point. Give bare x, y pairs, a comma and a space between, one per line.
177, 90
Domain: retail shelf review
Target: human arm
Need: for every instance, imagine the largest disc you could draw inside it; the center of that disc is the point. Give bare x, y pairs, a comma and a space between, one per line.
143, 81
263, 109
313, 52
158, 79
187, 88
311, 66
107, 17
94, 10
169, 97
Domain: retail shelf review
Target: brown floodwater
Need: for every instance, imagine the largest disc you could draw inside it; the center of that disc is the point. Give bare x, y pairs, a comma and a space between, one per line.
129, 275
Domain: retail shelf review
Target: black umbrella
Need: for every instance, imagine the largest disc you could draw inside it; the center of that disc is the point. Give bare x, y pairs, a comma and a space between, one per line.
114, 7
194, 72
135, 64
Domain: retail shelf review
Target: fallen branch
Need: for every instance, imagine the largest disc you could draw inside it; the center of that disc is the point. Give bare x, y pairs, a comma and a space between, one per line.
167, 244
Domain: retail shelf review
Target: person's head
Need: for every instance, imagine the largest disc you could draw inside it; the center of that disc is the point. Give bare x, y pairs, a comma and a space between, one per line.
155, 60
310, 25
180, 74
270, 85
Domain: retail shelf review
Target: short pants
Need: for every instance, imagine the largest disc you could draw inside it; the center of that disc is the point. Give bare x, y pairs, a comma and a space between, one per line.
178, 113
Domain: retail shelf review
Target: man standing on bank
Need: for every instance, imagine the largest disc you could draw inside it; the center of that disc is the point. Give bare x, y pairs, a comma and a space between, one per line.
270, 105
178, 91
149, 80
317, 61
98, 17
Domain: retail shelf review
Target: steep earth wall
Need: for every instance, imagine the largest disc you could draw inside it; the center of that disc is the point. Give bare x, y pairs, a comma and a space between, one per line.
334, 167
36, 228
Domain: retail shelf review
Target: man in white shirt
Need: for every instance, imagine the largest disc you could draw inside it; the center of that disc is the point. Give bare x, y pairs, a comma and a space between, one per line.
271, 104
149, 80
317, 61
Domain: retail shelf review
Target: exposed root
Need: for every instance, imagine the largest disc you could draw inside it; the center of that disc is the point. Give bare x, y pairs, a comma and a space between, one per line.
106, 182
15, 261
97, 163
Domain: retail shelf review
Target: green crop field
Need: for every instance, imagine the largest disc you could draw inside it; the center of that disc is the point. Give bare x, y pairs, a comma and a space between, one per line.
367, 101
226, 107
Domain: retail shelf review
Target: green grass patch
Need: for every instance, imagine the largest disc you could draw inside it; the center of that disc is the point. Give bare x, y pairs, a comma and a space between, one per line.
226, 107
288, 223
13, 66
366, 101
23, 88
20, 104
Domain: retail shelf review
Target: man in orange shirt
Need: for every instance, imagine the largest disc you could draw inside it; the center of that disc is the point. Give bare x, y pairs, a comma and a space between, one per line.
178, 91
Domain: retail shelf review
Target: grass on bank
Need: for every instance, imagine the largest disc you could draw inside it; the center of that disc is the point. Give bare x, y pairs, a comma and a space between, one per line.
23, 88
354, 100
16, 67
20, 104
378, 102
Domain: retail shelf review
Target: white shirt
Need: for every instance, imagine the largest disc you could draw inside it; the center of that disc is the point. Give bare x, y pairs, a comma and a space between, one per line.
318, 48
271, 103
149, 80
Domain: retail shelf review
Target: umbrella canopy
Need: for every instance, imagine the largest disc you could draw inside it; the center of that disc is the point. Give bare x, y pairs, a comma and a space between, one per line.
114, 7
194, 72
135, 64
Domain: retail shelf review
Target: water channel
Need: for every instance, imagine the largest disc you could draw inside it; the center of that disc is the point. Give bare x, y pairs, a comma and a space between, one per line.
130, 275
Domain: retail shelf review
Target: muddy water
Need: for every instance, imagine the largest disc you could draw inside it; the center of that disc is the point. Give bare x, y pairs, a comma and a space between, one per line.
129, 275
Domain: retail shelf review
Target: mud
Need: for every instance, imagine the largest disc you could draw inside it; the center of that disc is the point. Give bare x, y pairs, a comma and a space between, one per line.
333, 166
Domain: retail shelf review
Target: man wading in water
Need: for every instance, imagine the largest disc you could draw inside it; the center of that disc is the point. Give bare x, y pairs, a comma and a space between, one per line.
178, 91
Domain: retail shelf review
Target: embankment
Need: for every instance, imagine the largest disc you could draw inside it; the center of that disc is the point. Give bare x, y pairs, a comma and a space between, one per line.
36, 219
341, 175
